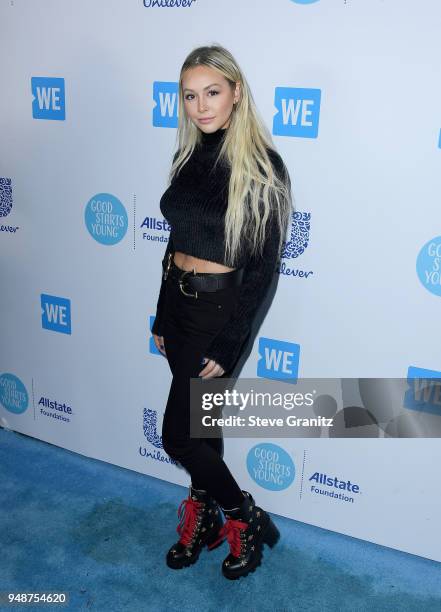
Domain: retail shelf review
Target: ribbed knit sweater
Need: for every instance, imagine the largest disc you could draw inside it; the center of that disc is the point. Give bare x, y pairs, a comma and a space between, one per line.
194, 205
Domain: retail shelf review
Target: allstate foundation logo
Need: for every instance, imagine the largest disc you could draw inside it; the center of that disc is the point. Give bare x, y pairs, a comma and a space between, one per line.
157, 225
150, 228
49, 98
54, 409
332, 486
106, 218
428, 265
13, 394
270, 466
298, 112
165, 100
296, 245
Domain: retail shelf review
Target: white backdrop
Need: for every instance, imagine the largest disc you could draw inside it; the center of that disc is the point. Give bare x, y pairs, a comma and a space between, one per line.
351, 92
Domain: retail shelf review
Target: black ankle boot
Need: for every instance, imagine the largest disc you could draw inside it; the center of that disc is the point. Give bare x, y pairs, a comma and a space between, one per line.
246, 529
200, 523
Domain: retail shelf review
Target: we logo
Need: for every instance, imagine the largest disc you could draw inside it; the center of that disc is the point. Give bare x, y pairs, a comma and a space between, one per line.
278, 359
424, 392
165, 111
49, 101
152, 345
298, 112
55, 313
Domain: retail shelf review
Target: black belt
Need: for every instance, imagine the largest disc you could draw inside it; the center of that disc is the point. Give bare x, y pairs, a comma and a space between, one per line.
201, 281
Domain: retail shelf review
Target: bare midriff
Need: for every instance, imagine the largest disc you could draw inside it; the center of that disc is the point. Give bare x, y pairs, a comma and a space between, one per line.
188, 262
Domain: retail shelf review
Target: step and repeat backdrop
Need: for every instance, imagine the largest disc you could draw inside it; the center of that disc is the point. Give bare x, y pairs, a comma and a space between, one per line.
350, 91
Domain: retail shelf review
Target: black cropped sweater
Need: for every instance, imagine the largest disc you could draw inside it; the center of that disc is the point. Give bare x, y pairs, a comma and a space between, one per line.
194, 205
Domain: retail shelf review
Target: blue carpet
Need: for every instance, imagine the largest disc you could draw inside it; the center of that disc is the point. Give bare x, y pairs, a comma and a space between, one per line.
100, 533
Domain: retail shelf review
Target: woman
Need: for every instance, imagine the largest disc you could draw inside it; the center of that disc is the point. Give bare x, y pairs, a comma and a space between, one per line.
228, 204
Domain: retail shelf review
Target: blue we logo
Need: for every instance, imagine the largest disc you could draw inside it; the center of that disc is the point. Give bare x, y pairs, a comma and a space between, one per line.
49, 99
424, 392
165, 111
55, 313
298, 112
152, 345
278, 359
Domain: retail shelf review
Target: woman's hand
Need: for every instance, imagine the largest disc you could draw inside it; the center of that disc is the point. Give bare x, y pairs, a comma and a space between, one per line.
159, 343
211, 369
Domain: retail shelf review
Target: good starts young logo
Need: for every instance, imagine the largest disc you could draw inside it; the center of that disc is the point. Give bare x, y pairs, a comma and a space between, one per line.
270, 466
428, 265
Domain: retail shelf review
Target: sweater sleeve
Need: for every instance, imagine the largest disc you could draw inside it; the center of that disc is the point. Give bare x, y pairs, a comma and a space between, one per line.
157, 324
226, 346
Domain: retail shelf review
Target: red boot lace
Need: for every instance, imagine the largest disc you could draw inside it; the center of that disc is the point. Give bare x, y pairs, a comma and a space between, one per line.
188, 514
231, 530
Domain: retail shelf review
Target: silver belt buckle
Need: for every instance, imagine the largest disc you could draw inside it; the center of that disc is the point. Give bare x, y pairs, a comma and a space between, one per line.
181, 283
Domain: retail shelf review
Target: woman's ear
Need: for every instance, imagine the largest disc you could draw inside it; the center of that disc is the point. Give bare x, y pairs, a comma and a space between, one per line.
237, 93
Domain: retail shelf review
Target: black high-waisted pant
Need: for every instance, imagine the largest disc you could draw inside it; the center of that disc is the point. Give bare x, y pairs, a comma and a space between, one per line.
189, 324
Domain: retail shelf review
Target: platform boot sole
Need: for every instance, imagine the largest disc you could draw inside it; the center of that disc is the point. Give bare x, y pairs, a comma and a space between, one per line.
270, 536
186, 562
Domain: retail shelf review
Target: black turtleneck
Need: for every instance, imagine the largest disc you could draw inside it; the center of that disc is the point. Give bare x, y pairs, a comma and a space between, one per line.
213, 138
194, 204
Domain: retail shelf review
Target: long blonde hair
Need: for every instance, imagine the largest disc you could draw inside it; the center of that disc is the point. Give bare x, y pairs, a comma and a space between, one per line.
253, 182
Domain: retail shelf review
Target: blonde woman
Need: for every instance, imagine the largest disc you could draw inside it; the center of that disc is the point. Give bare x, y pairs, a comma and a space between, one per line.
228, 204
